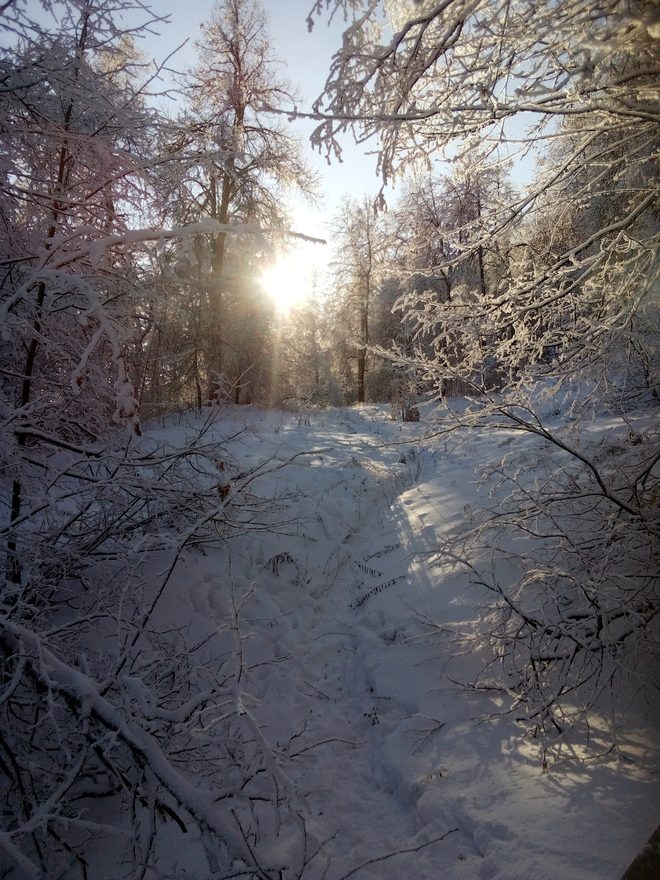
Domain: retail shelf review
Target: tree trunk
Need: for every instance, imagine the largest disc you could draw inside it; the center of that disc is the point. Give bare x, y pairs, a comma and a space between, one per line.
214, 349
480, 252
214, 354
364, 323
361, 366
13, 561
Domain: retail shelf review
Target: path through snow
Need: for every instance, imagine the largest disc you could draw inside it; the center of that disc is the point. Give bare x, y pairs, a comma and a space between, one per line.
355, 666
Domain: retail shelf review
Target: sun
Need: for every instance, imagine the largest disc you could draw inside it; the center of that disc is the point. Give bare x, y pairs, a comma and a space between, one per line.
291, 278
287, 281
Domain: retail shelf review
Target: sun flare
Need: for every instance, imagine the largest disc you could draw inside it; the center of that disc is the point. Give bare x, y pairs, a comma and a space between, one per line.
285, 283
290, 279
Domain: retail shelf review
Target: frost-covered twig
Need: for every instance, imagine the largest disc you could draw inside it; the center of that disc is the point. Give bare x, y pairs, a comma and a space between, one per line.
398, 852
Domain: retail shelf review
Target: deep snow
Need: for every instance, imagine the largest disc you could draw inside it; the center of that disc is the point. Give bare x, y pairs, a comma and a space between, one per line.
359, 640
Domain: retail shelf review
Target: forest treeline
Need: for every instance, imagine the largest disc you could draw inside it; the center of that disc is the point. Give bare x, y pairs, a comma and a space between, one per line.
465, 278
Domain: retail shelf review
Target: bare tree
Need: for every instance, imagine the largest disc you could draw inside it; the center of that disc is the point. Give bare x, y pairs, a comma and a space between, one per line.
356, 277
71, 172
241, 158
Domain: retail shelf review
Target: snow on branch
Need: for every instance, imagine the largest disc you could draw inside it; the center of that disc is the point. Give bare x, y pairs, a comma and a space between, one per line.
82, 691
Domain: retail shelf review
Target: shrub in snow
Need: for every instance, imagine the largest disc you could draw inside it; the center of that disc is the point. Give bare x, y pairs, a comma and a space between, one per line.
574, 608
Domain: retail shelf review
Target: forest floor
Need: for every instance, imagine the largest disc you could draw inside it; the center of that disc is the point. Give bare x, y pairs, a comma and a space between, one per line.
361, 639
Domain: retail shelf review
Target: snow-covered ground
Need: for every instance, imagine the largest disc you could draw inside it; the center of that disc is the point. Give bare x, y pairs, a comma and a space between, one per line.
354, 646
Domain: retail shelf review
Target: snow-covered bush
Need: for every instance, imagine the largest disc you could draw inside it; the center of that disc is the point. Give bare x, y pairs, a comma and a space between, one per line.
110, 710
569, 552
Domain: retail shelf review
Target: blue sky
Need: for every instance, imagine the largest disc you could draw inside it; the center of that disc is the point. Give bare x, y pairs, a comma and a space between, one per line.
305, 57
